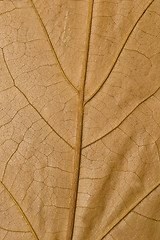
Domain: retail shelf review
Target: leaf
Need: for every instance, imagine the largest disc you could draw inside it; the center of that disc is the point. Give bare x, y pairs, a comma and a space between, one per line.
80, 119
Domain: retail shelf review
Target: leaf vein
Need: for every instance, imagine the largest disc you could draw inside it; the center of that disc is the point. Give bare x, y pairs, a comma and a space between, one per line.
130, 210
11, 230
33, 105
118, 55
79, 130
52, 48
21, 211
123, 119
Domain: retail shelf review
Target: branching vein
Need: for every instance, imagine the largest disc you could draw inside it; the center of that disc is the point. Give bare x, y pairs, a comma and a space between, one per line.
130, 210
32, 104
123, 119
21, 211
52, 48
11, 230
118, 55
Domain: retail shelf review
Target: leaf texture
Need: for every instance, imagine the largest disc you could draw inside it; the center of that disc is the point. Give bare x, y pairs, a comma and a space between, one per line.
80, 119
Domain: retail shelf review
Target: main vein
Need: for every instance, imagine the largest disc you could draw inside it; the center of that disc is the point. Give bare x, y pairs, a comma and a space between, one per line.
77, 157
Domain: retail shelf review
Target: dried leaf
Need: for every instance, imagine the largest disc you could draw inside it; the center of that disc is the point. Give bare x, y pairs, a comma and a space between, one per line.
80, 119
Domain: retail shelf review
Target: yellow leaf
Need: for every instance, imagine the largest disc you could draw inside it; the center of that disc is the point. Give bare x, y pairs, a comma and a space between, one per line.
80, 119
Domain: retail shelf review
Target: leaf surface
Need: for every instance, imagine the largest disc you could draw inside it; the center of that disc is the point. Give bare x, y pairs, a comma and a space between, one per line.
80, 119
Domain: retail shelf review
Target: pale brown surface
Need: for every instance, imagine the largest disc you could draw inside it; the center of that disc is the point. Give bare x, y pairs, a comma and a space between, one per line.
80, 120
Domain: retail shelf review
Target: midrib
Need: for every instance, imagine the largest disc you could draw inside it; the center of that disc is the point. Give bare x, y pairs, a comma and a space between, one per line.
79, 130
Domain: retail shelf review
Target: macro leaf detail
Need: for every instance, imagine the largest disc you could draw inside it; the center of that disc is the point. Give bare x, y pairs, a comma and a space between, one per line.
80, 119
